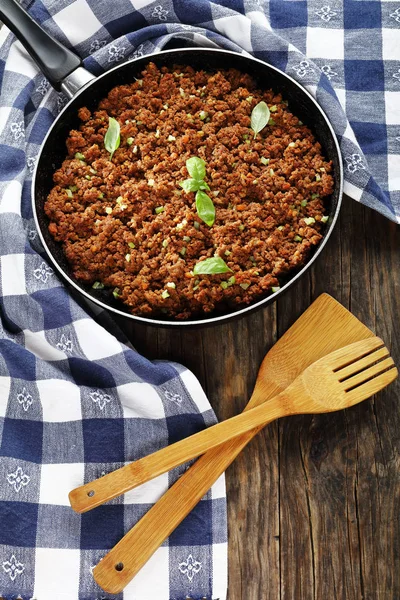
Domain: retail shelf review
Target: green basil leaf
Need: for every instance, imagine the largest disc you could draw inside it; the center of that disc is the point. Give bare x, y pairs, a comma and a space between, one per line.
204, 186
259, 117
196, 167
112, 138
211, 266
205, 208
190, 185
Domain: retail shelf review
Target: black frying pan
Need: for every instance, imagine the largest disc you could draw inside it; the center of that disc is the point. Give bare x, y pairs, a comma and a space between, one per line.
64, 71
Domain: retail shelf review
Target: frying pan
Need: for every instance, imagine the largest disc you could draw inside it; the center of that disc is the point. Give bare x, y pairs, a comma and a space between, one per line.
64, 71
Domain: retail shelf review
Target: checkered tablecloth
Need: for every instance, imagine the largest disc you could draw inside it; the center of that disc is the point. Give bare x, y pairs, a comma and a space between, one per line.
75, 400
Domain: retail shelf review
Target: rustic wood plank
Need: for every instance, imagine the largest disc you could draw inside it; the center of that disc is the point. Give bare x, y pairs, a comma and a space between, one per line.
313, 501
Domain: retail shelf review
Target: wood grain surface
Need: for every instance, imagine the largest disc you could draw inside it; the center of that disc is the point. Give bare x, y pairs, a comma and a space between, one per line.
313, 501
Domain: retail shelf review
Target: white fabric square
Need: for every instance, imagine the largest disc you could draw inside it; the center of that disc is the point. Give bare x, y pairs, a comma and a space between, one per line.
352, 191
140, 3
4, 114
140, 400
220, 570
95, 341
13, 274
20, 61
258, 18
149, 492
390, 43
236, 28
56, 571
11, 199
325, 43
77, 21
341, 94
392, 106
36, 342
5, 384
60, 400
56, 482
218, 489
155, 570
394, 171
194, 388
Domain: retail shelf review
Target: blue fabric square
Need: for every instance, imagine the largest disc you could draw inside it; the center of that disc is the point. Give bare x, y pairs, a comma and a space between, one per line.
102, 527
364, 75
195, 529
277, 58
237, 5
90, 374
129, 22
26, 201
103, 440
157, 374
12, 160
375, 190
39, 12
55, 306
20, 362
7, 322
293, 15
18, 524
200, 11
22, 439
181, 426
371, 136
362, 15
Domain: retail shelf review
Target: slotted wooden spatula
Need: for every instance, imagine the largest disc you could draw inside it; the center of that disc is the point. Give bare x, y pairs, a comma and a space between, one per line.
324, 327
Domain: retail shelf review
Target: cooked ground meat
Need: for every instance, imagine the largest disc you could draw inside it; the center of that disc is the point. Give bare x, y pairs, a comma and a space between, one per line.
126, 223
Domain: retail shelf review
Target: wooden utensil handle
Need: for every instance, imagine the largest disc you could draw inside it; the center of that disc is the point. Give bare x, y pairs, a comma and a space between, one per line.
139, 544
138, 472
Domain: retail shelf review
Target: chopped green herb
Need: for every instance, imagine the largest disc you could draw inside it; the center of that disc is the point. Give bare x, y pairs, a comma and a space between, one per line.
69, 193
324, 219
205, 208
249, 98
159, 210
231, 280
73, 188
259, 117
88, 177
171, 138
80, 156
227, 252
196, 225
116, 293
275, 289
224, 284
303, 203
112, 139
171, 285
292, 144
131, 244
241, 227
271, 172
98, 285
129, 141
273, 108
309, 220
244, 285
215, 193
281, 227
108, 210
196, 287
128, 257
318, 177
164, 243
313, 196
150, 182
203, 115
93, 171
157, 133
271, 121
182, 251
165, 295
297, 238
211, 266
264, 161
182, 92
186, 238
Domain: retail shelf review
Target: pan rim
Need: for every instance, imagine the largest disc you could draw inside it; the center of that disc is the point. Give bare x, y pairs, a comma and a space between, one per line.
218, 319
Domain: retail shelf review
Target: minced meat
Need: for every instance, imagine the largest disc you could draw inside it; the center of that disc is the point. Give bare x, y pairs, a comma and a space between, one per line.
127, 224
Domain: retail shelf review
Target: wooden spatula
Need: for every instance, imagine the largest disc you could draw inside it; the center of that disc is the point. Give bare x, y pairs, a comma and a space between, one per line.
324, 327
336, 381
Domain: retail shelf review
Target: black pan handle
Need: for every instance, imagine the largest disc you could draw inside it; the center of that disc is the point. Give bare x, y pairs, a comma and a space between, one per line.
55, 61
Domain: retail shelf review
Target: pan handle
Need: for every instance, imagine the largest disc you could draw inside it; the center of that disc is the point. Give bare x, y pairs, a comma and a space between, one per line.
54, 60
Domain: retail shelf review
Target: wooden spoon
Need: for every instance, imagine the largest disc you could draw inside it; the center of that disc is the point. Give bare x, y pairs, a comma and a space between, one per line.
327, 326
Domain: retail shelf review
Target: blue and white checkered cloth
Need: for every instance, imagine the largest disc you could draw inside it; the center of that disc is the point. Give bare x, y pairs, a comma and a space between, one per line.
75, 402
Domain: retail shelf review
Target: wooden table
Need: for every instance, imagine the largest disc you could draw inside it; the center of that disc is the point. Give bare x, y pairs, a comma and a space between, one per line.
313, 502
